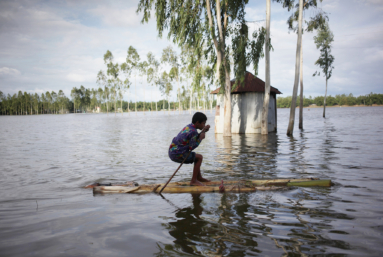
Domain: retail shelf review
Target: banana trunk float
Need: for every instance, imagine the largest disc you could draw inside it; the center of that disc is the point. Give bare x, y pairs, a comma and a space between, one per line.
213, 186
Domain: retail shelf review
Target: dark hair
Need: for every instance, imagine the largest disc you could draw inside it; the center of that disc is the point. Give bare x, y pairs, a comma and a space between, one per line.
199, 116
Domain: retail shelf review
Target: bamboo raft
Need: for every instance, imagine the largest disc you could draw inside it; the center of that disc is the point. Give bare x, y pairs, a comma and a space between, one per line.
213, 186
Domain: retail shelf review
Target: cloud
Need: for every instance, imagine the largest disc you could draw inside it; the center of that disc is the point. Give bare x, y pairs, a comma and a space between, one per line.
117, 17
9, 72
60, 45
81, 76
374, 2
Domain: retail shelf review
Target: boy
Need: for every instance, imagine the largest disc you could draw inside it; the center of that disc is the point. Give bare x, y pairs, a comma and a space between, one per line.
187, 140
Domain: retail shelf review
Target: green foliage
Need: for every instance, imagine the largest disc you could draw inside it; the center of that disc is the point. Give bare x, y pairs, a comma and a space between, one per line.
199, 24
338, 100
314, 23
323, 42
28, 104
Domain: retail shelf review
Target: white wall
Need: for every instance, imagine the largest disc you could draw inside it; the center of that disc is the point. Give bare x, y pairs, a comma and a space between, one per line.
246, 113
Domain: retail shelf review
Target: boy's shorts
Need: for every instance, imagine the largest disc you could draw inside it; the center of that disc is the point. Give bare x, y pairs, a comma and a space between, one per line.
189, 160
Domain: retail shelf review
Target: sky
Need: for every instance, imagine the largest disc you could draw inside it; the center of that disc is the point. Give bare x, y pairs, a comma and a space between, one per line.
53, 45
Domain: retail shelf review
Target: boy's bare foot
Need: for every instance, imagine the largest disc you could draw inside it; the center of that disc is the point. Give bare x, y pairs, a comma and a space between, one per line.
196, 183
203, 179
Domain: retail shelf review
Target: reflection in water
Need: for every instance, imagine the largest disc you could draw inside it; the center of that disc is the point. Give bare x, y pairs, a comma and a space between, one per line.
249, 224
247, 156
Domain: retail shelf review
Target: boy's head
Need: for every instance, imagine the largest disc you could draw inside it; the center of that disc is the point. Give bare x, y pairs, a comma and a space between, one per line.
199, 118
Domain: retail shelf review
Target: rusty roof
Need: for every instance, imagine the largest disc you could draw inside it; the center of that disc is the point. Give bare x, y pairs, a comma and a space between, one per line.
252, 84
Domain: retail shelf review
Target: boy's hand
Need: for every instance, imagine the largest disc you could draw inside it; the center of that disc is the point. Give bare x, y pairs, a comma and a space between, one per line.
206, 128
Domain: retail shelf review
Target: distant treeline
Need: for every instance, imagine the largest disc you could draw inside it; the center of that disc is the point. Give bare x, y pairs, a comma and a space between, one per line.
370, 99
86, 100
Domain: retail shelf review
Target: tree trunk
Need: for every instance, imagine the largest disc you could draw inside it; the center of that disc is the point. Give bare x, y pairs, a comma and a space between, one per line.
266, 100
191, 100
179, 99
203, 99
211, 103
122, 113
324, 104
115, 102
227, 105
128, 103
168, 105
290, 127
135, 92
301, 95
144, 100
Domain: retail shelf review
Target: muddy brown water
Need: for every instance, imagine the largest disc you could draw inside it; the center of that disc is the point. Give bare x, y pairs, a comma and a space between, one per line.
45, 160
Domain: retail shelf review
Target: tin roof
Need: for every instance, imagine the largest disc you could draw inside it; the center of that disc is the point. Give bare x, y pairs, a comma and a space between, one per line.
252, 84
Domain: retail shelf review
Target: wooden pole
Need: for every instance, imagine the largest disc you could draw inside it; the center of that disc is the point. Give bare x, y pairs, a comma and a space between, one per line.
175, 172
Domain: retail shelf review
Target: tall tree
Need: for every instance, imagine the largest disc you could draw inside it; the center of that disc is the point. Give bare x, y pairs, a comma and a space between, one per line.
43, 103
170, 57
290, 127
36, 100
76, 98
133, 59
126, 69
323, 42
143, 69
266, 100
194, 22
100, 94
102, 81
48, 98
188, 62
61, 97
166, 87
113, 70
313, 24
54, 99
106, 98
152, 74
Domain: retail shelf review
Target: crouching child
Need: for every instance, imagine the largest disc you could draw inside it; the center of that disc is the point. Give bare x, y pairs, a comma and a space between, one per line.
186, 141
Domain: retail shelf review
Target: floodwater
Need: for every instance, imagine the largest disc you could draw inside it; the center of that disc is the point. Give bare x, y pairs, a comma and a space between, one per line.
45, 160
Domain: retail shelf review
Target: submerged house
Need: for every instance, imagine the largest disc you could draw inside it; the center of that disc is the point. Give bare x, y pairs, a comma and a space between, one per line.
246, 107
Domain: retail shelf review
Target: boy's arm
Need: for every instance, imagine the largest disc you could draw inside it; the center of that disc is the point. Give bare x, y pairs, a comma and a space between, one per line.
195, 140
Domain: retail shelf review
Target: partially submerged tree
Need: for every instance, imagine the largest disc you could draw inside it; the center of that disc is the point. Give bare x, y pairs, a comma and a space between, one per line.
126, 69
323, 42
193, 23
170, 57
165, 87
143, 69
290, 127
314, 23
133, 60
103, 82
152, 74
113, 71
266, 100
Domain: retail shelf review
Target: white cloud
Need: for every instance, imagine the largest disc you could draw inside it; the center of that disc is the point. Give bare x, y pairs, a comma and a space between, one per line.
81, 76
5, 72
117, 17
